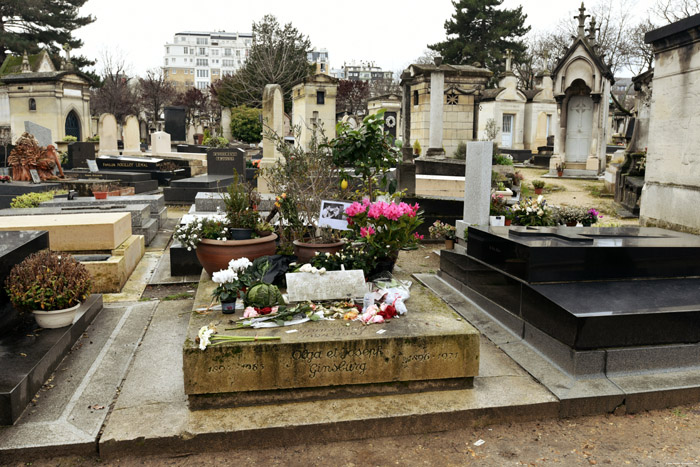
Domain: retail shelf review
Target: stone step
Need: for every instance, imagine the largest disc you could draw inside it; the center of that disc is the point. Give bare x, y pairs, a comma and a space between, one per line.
76, 232
139, 212
149, 230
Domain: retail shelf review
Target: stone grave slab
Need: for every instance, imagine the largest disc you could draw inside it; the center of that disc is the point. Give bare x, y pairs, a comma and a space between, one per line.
425, 345
76, 232
41, 133
14, 247
27, 360
9, 191
142, 182
156, 202
333, 285
137, 164
78, 155
185, 190
192, 148
223, 161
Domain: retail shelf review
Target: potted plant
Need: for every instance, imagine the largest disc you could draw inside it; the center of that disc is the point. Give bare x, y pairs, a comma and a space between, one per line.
590, 217
538, 185
232, 282
560, 168
217, 239
369, 150
301, 180
383, 229
99, 191
416, 148
533, 212
446, 231
497, 210
114, 190
49, 285
569, 215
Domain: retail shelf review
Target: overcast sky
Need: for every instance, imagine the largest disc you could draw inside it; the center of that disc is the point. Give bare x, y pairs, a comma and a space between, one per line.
392, 33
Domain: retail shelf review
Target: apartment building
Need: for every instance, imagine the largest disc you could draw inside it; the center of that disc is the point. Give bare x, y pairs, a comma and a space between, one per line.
319, 57
364, 71
197, 59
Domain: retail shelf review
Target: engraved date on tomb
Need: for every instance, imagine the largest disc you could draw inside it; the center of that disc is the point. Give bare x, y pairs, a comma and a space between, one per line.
245, 366
424, 357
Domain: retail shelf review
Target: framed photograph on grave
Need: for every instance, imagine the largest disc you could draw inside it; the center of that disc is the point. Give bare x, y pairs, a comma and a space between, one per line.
333, 214
92, 165
35, 176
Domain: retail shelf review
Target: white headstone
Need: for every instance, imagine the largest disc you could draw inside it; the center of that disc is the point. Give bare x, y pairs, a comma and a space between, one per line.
132, 134
333, 285
272, 114
226, 123
477, 183
107, 130
437, 97
160, 142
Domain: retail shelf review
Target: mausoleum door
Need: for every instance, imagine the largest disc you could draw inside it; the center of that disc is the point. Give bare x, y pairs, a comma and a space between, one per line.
579, 128
507, 131
73, 125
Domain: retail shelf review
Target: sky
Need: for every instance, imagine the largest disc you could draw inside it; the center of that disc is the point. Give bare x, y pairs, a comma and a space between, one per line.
390, 33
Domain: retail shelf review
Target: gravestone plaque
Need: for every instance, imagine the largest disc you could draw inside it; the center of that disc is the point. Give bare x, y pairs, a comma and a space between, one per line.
223, 161
128, 163
175, 123
41, 133
35, 176
79, 153
333, 285
92, 165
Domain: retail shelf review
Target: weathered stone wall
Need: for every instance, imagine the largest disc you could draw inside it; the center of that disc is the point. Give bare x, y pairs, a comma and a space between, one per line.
672, 185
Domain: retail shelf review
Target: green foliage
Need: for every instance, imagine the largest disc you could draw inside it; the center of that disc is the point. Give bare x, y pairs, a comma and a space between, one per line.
442, 230
240, 200
367, 149
461, 151
480, 31
350, 257
262, 295
501, 159
416, 147
48, 281
70, 138
94, 139
246, 125
31, 25
215, 142
538, 183
277, 55
31, 200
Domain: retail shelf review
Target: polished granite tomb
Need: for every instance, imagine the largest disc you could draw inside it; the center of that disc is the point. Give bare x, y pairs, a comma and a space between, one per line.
572, 291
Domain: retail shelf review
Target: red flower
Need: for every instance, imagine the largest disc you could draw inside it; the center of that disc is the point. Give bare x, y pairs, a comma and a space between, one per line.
264, 311
387, 311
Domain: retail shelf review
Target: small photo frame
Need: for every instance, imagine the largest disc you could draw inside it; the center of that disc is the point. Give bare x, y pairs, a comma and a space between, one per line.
92, 165
35, 176
333, 214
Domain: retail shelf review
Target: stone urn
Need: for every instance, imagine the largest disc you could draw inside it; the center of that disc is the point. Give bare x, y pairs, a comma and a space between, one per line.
214, 255
305, 251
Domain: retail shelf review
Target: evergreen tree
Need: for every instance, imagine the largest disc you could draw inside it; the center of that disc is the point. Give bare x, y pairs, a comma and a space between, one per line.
32, 25
480, 32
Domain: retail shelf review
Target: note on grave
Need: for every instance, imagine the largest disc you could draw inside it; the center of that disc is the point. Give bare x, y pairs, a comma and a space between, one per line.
333, 285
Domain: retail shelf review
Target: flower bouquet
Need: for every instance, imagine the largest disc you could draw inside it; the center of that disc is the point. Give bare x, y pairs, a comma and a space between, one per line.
533, 212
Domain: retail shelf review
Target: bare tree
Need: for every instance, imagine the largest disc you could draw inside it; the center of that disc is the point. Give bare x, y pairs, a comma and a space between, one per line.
352, 97
427, 58
117, 95
155, 92
671, 11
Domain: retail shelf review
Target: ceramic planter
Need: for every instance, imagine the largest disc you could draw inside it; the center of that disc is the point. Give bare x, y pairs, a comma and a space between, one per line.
538, 191
214, 255
54, 319
305, 251
228, 308
100, 194
449, 244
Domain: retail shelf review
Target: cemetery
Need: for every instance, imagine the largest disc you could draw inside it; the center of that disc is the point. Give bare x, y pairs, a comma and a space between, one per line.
303, 299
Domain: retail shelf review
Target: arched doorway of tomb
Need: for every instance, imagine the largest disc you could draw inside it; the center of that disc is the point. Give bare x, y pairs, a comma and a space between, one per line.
73, 125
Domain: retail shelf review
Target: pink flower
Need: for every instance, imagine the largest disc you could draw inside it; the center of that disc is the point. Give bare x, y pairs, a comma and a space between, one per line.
393, 212
376, 210
367, 231
355, 209
250, 312
417, 236
274, 309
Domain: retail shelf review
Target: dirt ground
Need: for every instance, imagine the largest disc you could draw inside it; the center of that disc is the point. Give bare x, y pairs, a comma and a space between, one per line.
661, 437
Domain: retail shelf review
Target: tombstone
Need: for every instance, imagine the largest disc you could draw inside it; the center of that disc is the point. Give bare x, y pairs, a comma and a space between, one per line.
437, 97
79, 153
226, 123
160, 142
477, 185
175, 123
41, 133
132, 136
107, 130
223, 161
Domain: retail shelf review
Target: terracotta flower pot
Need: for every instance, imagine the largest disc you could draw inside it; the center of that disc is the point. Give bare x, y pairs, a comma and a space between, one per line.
114, 193
508, 222
305, 251
100, 194
449, 244
214, 255
538, 191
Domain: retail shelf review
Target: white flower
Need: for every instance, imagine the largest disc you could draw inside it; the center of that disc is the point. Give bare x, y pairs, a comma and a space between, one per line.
328, 255
322, 271
539, 199
529, 209
189, 248
204, 334
224, 276
239, 264
305, 268
540, 213
314, 270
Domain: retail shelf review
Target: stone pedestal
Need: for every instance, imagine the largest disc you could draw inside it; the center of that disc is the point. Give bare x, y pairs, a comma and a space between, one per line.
273, 121
437, 91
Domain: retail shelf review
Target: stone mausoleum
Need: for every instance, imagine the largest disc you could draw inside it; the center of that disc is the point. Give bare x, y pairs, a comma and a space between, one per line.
33, 90
581, 88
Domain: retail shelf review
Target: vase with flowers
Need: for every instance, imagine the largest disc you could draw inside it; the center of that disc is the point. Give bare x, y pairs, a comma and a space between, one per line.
442, 230
497, 210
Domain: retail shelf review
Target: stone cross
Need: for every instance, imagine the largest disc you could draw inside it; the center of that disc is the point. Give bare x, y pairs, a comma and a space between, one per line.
509, 60
582, 21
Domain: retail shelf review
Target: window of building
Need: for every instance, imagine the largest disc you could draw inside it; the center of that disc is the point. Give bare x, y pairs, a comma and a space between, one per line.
174, 59
166, 61
323, 67
215, 71
320, 97
32, 104
202, 41
227, 62
202, 62
202, 51
314, 119
415, 97
215, 51
202, 84
202, 73
238, 53
167, 50
227, 52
